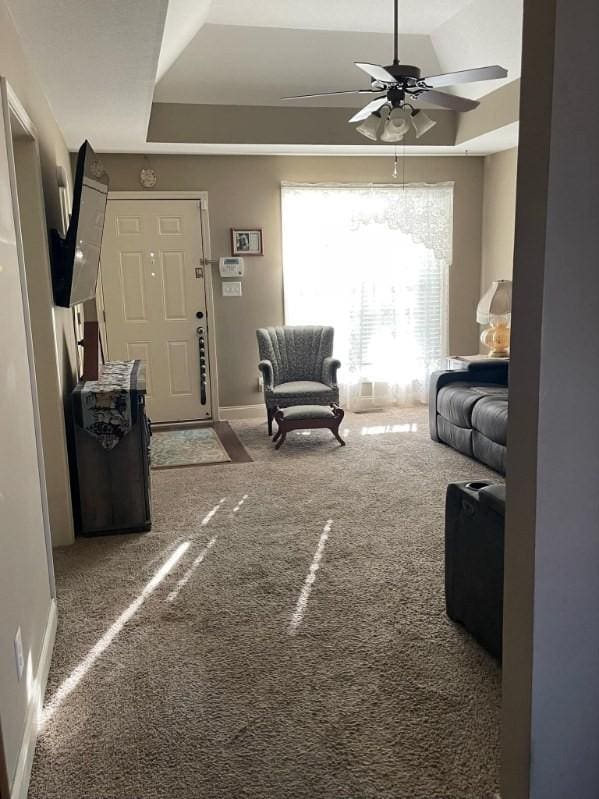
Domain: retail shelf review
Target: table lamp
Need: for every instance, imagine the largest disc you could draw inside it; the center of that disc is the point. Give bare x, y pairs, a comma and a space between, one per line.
495, 310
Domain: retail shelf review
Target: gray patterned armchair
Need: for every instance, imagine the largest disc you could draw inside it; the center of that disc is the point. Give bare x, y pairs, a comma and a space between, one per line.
297, 367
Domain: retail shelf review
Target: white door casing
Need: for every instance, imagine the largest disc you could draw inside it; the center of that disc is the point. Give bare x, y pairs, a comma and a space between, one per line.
26, 574
154, 285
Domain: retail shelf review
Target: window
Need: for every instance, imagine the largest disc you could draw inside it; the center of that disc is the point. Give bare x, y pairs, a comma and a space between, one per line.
373, 262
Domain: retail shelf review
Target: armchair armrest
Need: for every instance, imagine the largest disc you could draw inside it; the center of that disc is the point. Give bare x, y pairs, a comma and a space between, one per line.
329, 371
267, 375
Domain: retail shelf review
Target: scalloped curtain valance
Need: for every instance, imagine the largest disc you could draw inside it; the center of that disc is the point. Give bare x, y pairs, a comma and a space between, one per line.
423, 211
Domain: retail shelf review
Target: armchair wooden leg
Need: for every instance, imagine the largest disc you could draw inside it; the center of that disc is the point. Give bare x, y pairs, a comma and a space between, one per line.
270, 415
339, 413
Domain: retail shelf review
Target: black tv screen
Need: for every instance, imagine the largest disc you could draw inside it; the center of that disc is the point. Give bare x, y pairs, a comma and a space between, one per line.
76, 258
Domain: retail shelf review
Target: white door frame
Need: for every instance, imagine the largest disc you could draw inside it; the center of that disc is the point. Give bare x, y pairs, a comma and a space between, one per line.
201, 197
11, 105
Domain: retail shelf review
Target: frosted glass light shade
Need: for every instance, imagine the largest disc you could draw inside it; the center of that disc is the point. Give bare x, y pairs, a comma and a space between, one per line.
495, 302
370, 127
397, 125
422, 123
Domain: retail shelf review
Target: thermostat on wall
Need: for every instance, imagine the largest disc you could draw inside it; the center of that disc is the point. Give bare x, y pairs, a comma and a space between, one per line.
231, 267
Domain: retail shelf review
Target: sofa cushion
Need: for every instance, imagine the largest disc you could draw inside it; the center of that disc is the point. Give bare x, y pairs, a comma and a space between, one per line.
459, 438
488, 452
489, 417
456, 401
297, 412
301, 388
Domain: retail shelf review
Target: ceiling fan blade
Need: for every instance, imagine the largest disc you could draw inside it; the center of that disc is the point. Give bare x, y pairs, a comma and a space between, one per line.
328, 94
369, 109
466, 76
448, 100
376, 72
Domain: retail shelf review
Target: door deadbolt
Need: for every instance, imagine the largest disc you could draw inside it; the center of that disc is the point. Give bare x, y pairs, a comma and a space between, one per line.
199, 314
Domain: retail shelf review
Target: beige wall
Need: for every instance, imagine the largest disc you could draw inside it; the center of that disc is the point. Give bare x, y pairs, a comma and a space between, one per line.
245, 191
499, 215
24, 581
53, 152
15, 67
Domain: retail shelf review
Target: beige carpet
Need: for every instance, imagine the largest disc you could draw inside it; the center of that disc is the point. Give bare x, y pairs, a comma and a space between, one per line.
280, 634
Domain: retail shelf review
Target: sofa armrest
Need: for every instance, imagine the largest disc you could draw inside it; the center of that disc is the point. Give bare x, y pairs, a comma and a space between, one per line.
267, 375
480, 369
329, 371
489, 372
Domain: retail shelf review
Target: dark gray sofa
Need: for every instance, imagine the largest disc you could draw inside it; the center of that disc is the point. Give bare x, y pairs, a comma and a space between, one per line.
468, 410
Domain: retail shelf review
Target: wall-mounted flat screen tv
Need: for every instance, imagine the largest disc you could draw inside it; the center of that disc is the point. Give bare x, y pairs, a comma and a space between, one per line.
76, 257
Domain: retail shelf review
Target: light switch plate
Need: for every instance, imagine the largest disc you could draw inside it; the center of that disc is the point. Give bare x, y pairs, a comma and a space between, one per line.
232, 288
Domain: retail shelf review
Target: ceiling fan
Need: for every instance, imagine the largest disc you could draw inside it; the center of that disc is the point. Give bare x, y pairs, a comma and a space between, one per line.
388, 117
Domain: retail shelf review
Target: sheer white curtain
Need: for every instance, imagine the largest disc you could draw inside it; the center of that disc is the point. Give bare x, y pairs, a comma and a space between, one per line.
373, 262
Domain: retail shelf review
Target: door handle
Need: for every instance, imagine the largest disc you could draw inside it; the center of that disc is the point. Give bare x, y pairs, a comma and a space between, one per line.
202, 355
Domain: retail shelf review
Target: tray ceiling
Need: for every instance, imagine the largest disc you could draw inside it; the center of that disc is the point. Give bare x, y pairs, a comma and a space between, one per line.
102, 64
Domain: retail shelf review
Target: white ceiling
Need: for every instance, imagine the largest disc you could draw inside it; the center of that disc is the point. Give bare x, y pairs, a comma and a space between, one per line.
374, 16
483, 32
263, 64
287, 47
98, 60
184, 19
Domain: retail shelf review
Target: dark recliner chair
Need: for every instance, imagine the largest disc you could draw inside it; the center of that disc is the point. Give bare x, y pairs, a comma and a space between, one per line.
297, 367
474, 555
468, 410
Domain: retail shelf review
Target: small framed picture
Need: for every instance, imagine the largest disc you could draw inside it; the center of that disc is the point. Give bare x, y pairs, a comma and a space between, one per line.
246, 242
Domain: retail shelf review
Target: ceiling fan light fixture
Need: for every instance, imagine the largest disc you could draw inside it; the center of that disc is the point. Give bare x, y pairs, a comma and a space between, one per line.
396, 126
421, 123
371, 126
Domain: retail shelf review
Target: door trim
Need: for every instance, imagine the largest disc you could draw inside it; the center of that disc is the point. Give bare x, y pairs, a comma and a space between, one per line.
24, 765
11, 105
202, 198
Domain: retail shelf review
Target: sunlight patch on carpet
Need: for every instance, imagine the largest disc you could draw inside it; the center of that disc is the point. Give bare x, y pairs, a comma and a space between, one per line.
78, 673
201, 557
302, 602
379, 429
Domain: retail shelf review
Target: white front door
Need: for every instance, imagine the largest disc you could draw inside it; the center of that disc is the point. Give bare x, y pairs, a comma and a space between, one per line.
155, 301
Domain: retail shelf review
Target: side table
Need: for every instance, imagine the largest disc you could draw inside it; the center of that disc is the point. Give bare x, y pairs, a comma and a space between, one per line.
455, 362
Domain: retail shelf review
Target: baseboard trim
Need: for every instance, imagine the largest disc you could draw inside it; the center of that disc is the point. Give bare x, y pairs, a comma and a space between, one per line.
242, 412
20, 784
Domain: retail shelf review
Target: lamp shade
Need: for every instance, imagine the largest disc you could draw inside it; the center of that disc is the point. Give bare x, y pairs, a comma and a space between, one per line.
397, 125
496, 301
371, 126
421, 123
